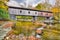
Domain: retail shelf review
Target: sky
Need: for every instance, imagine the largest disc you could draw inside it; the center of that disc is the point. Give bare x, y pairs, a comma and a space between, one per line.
30, 2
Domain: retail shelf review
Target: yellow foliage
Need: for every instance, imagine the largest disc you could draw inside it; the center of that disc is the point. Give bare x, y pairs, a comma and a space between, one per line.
3, 5
53, 34
4, 0
55, 9
22, 23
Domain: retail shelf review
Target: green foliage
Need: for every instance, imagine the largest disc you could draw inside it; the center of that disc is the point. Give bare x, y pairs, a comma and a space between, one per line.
3, 10
43, 6
40, 7
4, 14
40, 18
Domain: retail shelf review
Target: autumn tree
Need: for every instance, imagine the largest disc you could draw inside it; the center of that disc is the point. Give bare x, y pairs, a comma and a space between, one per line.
56, 12
3, 10
44, 6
